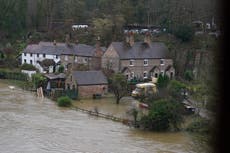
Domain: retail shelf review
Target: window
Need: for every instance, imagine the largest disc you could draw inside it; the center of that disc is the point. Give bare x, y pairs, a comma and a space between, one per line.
75, 58
145, 74
31, 54
66, 57
132, 75
146, 62
162, 61
44, 55
37, 55
86, 59
56, 56
24, 54
156, 75
24, 60
131, 63
31, 62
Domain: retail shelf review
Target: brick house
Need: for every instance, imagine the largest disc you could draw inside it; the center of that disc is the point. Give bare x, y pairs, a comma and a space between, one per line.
87, 83
138, 59
82, 54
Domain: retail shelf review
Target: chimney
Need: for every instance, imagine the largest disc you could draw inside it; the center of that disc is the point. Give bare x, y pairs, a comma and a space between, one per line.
67, 40
55, 43
131, 39
98, 44
147, 38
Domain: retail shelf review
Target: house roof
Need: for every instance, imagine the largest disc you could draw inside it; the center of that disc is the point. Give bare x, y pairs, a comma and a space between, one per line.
89, 77
60, 48
141, 50
52, 76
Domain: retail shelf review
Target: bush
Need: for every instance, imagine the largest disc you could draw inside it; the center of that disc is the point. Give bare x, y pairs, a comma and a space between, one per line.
28, 67
64, 101
61, 69
162, 81
188, 75
162, 115
198, 125
13, 75
38, 80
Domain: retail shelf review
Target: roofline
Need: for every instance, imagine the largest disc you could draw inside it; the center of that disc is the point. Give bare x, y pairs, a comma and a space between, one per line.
142, 58
91, 84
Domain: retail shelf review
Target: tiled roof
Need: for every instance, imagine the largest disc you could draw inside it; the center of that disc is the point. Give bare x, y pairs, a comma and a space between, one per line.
89, 77
52, 76
141, 50
60, 48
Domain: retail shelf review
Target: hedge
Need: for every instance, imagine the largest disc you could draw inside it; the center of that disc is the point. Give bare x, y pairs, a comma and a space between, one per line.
13, 75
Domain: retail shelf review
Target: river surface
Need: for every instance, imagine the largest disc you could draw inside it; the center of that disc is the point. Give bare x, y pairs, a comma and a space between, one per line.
32, 125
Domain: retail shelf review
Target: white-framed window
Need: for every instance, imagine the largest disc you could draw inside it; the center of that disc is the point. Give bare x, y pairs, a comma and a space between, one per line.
57, 57
31, 54
31, 62
146, 62
66, 57
145, 74
24, 54
75, 58
131, 62
44, 55
25, 61
37, 55
162, 62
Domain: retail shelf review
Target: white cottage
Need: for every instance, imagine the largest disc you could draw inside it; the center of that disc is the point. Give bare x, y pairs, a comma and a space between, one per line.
35, 53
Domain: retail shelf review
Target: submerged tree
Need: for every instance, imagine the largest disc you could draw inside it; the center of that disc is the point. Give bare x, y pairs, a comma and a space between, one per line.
118, 86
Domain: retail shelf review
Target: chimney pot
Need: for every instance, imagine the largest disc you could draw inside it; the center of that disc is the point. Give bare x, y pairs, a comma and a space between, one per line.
55, 43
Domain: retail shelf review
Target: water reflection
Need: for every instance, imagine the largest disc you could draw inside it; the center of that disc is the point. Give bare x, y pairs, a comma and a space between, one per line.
33, 125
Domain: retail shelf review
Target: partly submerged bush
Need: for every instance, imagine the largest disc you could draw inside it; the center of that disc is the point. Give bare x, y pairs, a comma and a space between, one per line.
64, 101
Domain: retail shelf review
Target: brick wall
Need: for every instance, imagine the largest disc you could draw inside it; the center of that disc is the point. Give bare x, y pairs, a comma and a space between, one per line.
88, 91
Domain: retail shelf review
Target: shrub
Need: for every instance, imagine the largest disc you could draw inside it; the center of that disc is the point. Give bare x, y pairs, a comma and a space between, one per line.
64, 101
198, 125
13, 75
61, 69
28, 67
38, 80
162, 81
162, 115
188, 75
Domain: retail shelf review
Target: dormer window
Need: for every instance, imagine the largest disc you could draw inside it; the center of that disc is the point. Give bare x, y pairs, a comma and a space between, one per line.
131, 63
44, 55
146, 62
162, 62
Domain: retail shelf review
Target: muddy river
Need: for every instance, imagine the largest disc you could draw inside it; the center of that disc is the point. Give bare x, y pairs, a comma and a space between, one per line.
33, 125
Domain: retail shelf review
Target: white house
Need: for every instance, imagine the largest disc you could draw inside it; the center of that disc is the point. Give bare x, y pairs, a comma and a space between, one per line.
36, 53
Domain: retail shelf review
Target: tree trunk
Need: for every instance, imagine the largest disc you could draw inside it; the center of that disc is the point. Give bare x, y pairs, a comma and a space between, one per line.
117, 100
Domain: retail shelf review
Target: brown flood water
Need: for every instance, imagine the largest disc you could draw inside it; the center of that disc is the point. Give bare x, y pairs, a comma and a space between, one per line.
32, 125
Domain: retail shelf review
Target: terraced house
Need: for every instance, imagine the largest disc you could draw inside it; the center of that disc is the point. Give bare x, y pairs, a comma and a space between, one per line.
139, 60
48, 56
